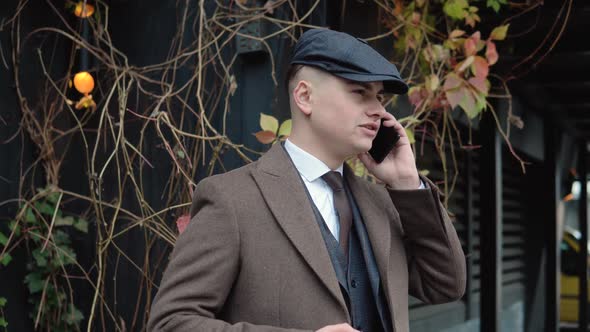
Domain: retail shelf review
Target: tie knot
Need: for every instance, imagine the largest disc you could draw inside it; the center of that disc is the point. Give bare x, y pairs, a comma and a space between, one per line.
334, 180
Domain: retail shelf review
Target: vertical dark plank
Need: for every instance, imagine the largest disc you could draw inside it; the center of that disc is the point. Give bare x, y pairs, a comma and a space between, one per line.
469, 301
551, 197
583, 254
491, 226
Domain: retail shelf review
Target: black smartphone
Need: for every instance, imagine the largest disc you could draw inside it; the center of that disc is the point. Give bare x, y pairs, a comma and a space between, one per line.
385, 140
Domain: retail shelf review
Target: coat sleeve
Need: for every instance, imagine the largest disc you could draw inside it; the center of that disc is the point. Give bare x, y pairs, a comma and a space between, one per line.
202, 269
436, 262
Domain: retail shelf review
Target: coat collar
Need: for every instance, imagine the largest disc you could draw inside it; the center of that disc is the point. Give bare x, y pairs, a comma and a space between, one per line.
285, 195
283, 190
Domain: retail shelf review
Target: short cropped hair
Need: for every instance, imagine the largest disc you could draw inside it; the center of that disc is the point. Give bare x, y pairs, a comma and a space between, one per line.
291, 72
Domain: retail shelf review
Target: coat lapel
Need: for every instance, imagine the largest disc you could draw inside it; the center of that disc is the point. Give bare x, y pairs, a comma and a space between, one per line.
285, 195
376, 222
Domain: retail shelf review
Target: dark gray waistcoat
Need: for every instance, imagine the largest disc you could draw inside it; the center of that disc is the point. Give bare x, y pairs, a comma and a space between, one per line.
359, 278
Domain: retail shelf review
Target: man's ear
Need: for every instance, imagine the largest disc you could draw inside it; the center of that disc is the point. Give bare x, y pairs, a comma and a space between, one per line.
302, 96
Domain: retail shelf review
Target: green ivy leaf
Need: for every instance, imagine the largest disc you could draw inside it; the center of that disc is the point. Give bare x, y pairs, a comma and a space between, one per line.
3, 322
34, 282
30, 216
65, 256
45, 208
495, 4
74, 316
40, 257
456, 9
3, 239
53, 197
14, 227
5, 259
81, 225
65, 221
60, 237
2, 301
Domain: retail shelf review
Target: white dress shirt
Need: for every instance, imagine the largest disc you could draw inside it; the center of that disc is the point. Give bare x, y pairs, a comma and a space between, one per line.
311, 170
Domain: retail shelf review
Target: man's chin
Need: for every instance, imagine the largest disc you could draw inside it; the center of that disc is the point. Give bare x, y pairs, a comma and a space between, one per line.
361, 149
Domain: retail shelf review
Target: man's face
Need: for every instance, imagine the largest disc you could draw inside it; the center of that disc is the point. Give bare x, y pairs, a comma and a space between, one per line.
346, 114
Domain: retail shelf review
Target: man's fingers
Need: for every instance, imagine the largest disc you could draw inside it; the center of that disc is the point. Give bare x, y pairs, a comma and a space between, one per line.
390, 121
338, 328
366, 159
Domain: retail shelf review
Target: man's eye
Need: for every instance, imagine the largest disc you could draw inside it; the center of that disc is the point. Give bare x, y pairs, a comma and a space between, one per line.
360, 92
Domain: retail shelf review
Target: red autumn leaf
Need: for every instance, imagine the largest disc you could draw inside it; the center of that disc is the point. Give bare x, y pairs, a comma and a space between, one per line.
476, 36
452, 89
480, 84
398, 7
182, 222
454, 97
491, 53
452, 81
470, 46
415, 95
265, 136
480, 67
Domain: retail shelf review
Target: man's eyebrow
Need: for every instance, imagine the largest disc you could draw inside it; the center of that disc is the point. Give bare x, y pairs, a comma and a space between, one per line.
365, 85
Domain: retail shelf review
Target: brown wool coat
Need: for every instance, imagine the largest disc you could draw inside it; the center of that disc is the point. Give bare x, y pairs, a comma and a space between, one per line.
253, 258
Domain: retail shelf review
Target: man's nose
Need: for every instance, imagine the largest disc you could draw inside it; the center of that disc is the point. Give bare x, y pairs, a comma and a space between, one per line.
376, 110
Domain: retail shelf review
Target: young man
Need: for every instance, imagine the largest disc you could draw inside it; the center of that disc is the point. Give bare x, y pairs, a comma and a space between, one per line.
296, 242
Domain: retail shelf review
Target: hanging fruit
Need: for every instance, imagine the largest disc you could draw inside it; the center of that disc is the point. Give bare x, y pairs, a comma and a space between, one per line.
83, 10
84, 82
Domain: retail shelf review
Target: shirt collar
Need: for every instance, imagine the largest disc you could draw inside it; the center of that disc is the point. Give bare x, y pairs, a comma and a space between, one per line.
307, 165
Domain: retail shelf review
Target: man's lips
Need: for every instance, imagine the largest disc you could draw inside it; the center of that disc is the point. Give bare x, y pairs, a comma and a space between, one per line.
371, 126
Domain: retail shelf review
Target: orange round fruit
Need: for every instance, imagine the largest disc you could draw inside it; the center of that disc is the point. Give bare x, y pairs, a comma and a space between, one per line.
83, 10
84, 82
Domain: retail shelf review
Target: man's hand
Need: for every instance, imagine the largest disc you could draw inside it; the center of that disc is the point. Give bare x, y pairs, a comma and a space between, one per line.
398, 169
338, 328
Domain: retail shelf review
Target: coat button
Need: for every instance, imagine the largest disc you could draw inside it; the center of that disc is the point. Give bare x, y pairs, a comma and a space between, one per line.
353, 283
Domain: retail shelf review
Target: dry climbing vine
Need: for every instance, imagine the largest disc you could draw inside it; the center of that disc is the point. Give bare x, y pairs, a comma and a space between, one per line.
446, 59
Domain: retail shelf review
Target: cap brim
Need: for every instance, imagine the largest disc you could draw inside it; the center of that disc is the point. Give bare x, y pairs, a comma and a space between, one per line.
391, 84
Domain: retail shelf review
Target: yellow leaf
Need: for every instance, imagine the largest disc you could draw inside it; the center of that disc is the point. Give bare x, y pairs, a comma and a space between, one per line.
432, 82
456, 34
499, 33
233, 86
465, 64
269, 123
285, 129
410, 134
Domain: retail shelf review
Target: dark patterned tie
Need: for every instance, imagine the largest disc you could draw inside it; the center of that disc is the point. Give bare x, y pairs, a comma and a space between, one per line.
342, 205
